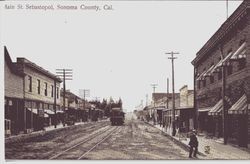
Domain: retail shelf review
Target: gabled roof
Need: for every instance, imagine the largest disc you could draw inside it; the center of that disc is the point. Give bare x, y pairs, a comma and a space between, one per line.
10, 64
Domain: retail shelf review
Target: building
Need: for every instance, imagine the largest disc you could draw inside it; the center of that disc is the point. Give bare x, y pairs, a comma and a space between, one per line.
13, 96
222, 80
184, 109
40, 94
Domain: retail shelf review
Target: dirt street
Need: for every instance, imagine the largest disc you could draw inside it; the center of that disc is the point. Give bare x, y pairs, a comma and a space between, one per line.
134, 140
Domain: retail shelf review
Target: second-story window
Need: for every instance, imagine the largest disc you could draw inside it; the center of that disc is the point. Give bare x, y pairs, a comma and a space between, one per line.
52, 90
204, 83
219, 75
45, 89
242, 64
211, 79
57, 92
30, 83
38, 86
229, 70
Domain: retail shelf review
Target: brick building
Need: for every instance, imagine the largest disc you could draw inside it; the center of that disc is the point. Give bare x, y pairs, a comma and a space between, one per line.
13, 96
222, 67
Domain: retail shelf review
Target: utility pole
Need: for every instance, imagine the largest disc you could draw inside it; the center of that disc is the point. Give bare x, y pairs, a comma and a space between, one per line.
167, 92
224, 108
154, 86
84, 93
66, 74
172, 58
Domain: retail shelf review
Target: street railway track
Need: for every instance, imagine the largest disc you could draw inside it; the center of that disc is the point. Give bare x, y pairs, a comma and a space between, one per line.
85, 146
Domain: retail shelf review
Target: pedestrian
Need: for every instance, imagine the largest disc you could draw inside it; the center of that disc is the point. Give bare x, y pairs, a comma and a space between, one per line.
193, 143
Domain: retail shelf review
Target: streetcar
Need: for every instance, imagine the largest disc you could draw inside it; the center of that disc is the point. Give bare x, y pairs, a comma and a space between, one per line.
117, 116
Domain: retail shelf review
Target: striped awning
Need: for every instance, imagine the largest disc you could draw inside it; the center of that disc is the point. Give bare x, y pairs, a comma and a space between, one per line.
48, 111
240, 53
206, 109
35, 111
216, 110
226, 59
240, 107
208, 72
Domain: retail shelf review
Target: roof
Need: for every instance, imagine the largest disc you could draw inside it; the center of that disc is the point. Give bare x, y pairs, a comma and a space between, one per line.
26, 62
10, 64
225, 28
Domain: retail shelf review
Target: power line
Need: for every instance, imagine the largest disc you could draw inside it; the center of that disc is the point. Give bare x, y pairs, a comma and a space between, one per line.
65, 74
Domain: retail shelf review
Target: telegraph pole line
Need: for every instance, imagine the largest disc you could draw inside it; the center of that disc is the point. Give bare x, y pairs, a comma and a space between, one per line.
172, 58
66, 74
167, 92
154, 86
84, 93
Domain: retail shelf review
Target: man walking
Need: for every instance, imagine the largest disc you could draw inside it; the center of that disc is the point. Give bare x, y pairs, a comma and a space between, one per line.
193, 143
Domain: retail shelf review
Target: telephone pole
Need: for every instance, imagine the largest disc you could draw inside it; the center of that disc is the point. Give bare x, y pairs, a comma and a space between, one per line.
172, 58
84, 93
65, 74
154, 115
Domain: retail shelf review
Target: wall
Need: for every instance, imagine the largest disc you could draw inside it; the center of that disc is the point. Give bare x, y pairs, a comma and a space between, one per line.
13, 84
34, 94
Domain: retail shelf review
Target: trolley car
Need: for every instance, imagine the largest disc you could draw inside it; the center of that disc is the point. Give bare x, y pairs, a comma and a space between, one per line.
117, 116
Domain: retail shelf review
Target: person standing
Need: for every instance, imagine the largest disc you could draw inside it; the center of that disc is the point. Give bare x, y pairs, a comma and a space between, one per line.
193, 143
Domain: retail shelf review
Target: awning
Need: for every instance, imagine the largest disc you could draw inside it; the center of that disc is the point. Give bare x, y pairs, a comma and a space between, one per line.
216, 109
48, 111
200, 77
35, 111
240, 107
216, 67
206, 109
226, 59
240, 53
208, 72
46, 115
59, 111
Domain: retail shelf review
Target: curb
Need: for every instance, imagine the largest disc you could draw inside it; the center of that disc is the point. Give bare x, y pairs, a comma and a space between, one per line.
176, 141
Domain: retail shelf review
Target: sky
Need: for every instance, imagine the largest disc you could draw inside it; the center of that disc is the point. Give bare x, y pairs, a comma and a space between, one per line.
115, 53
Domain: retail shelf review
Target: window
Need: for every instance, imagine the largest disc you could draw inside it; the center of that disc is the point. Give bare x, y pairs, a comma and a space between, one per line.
52, 90
38, 86
199, 84
30, 83
220, 75
242, 64
45, 89
229, 70
204, 83
211, 79
57, 92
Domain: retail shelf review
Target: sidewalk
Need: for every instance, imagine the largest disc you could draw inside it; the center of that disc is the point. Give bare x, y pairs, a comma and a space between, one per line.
21, 137
217, 148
